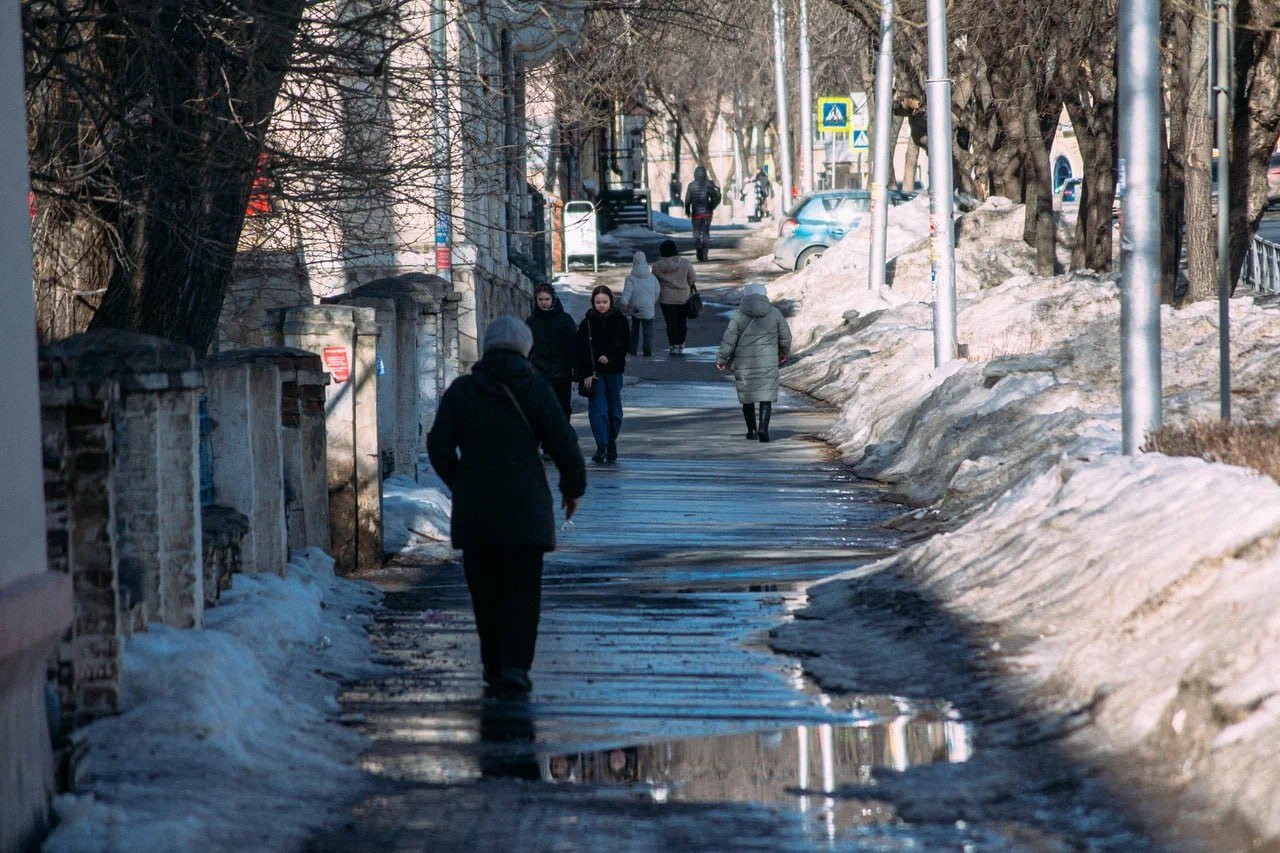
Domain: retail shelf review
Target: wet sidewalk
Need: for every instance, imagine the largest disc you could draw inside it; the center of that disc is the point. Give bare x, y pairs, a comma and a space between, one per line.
656, 716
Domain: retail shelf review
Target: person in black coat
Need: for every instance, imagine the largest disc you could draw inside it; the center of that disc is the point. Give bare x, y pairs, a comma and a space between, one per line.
554, 343
603, 342
484, 445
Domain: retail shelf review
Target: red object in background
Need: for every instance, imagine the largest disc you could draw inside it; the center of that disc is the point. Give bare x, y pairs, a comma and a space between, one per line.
260, 193
31, 202
335, 360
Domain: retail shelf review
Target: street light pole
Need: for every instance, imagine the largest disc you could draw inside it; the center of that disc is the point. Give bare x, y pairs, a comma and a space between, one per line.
806, 103
1222, 113
780, 95
443, 200
941, 183
883, 152
1139, 117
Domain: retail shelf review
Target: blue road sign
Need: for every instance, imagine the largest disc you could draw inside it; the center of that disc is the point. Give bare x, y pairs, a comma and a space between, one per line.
834, 115
859, 141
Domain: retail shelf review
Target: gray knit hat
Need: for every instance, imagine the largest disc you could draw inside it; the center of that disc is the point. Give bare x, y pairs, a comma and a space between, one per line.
508, 333
755, 287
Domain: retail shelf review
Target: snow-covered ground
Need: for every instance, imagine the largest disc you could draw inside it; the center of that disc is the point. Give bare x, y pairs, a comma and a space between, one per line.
415, 515
1147, 588
229, 738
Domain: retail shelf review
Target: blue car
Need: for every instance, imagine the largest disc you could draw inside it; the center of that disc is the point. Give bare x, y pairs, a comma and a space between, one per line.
820, 220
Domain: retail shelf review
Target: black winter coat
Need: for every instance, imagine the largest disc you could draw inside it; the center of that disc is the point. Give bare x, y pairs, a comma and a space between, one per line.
553, 342
701, 198
609, 336
488, 456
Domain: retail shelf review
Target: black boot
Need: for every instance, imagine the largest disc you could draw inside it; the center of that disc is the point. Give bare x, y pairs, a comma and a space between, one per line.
598, 456
611, 452
766, 409
749, 415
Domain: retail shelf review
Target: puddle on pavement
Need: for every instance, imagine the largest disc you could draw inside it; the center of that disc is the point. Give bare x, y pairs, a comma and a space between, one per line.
798, 767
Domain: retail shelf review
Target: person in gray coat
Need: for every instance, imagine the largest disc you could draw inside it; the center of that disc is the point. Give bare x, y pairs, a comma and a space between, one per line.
755, 344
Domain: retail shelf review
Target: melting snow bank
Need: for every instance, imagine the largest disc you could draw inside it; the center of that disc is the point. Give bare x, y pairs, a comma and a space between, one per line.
227, 740
415, 515
1146, 590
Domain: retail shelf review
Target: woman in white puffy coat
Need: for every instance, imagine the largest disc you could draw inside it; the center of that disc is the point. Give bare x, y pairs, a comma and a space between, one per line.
640, 302
755, 344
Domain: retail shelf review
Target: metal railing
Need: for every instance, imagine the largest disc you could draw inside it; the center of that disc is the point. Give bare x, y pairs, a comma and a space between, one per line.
1262, 267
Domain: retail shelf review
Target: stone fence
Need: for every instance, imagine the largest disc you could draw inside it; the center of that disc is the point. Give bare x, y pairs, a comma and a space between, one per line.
165, 475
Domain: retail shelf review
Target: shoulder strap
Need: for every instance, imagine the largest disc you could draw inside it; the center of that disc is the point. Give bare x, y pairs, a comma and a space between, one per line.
516, 403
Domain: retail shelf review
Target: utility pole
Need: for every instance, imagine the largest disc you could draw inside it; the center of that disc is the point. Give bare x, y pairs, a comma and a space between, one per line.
780, 95
883, 152
1221, 29
1139, 115
806, 103
941, 182
443, 151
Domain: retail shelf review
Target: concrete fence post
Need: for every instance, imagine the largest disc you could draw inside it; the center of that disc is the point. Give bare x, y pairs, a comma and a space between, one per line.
248, 460
156, 466
345, 339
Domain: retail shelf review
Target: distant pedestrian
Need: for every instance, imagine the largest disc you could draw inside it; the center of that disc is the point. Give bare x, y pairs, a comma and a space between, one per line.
757, 341
640, 303
603, 342
676, 279
701, 198
484, 445
763, 191
554, 342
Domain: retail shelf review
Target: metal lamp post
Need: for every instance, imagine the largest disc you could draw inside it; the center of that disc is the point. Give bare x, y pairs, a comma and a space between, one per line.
780, 95
1139, 115
941, 182
806, 103
883, 152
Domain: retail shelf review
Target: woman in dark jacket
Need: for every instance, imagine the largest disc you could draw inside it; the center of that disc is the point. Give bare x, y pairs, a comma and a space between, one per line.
603, 342
484, 445
554, 342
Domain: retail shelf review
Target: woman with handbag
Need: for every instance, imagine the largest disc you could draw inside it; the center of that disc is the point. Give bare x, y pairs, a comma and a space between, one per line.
676, 278
756, 343
484, 445
603, 342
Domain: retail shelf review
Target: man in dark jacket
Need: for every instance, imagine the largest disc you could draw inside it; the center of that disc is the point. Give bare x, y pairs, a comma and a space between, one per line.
700, 201
484, 445
554, 340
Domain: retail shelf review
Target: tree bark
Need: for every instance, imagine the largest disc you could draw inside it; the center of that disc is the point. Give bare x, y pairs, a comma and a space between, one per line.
1256, 124
1201, 248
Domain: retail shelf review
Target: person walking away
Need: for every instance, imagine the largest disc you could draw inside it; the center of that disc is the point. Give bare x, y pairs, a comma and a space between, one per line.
640, 302
701, 198
676, 280
484, 445
756, 343
554, 343
603, 342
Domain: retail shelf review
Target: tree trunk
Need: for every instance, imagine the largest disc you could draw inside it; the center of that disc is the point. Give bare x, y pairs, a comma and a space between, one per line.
1256, 124
190, 93
911, 162
1201, 247
1175, 163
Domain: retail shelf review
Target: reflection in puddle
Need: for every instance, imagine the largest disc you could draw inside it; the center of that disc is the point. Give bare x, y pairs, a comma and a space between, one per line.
794, 767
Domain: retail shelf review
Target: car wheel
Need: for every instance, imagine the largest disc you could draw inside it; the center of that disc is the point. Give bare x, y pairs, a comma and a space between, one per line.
809, 255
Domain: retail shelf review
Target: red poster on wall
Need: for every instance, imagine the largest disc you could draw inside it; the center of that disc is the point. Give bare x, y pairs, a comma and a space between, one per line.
335, 361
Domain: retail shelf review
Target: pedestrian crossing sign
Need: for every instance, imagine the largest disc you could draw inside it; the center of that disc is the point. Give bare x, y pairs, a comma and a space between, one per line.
859, 141
835, 115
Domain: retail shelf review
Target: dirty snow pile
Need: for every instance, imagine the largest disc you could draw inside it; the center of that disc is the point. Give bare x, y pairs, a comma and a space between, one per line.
1146, 588
227, 739
415, 514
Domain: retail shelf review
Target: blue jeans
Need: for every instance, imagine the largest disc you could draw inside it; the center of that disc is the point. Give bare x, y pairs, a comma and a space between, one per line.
604, 409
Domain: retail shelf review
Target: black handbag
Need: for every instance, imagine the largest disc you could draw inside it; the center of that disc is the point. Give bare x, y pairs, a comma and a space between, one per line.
583, 389
693, 307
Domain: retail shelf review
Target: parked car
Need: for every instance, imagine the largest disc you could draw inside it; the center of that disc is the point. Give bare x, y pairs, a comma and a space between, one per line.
1071, 189
820, 220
